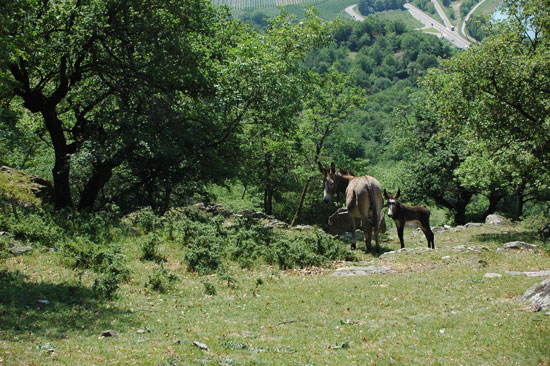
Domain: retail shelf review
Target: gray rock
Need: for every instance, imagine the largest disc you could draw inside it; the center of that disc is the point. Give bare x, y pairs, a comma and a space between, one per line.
361, 271
519, 245
18, 249
539, 295
478, 248
529, 274
109, 333
497, 220
200, 345
492, 275
303, 227
473, 224
340, 222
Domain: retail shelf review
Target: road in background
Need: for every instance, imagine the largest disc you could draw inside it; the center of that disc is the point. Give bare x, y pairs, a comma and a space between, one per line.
428, 21
353, 14
447, 31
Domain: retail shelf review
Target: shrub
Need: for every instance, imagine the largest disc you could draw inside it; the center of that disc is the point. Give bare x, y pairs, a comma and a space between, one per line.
161, 280
105, 260
204, 254
149, 248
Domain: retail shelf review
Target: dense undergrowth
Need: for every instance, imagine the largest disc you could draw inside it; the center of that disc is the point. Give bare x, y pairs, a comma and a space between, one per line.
210, 244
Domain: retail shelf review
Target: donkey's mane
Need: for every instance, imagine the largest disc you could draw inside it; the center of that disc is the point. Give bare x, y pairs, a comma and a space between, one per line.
346, 172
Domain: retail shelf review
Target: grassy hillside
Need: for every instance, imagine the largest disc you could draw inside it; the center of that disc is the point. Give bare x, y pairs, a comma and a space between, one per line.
434, 308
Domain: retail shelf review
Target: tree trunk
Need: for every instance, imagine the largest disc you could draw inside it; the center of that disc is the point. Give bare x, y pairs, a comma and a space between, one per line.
100, 176
62, 166
520, 195
166, 199
300, 203
494, 199
460, 207
268, 201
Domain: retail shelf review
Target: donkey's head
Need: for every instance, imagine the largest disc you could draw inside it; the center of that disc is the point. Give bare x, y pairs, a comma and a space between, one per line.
393, 204
330, 186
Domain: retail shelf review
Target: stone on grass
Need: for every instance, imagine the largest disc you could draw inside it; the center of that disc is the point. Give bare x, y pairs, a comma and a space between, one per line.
497, 220
519, 245
109, 333
492, 275
19, 249
200, 345
539, 296
361, 271
529, 274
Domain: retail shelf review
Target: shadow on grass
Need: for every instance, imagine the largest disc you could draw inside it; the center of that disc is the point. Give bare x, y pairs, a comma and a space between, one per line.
30, 309
502, 238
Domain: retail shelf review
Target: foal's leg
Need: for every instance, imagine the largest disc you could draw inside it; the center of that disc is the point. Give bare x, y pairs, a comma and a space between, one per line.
428, 234
400, 228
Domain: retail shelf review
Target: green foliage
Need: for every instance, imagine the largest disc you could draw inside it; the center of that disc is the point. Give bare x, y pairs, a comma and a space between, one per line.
106, 261
149, 248
306, 251
204, 253
161, 280
209, 247
367, 7
17, 190
209, 288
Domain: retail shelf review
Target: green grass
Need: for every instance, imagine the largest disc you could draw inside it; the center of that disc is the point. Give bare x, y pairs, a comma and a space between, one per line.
433, 311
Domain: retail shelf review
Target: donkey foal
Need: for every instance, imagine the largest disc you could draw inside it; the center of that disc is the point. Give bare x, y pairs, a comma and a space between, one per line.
402, 214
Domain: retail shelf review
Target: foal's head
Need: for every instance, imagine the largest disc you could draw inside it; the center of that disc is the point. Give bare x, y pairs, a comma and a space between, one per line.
330, 186
393, 204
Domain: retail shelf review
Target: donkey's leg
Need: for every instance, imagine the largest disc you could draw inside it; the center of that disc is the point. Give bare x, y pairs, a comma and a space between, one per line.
431, 237
367, 232
428, 234
400, 228
353, 246
376, 225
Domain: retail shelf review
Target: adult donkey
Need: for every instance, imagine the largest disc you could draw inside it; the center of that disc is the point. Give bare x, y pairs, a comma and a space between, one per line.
363, 200
402, 214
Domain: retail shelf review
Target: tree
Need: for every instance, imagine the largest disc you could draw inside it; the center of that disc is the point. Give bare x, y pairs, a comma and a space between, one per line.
151, 96
328, 105
510, 172
433, 156
90, 68
498, 91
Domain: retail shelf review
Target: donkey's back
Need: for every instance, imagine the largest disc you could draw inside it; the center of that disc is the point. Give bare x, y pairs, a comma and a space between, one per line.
364, 197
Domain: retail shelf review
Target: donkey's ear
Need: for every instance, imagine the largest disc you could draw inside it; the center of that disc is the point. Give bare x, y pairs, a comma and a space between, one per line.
397, 194
386, 194
332, 168
322, 169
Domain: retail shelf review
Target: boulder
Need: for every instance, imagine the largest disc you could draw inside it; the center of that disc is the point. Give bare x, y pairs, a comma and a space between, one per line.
361, 271
340, 223
497, 220
519, 245
539, 295
19, 249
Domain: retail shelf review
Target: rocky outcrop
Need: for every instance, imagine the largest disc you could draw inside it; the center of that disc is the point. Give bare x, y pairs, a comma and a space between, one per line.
539, 296
497, 220
340, 222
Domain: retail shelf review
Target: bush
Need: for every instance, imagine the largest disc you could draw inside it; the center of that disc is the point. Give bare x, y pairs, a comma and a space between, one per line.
105, 260
204, 254
306, 251
149, 248
161, 280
